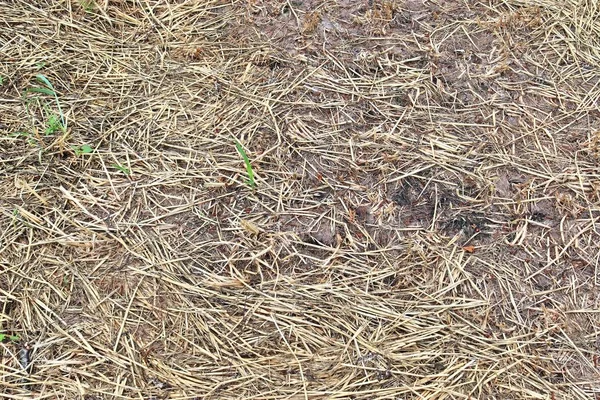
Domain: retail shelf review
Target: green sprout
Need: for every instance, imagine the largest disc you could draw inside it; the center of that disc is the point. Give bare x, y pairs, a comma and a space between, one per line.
54, 123
85, 149
27, 135
11, 338
251, 182
20, 134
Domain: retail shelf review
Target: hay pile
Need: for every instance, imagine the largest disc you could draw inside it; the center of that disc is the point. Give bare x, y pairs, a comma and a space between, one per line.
424, 226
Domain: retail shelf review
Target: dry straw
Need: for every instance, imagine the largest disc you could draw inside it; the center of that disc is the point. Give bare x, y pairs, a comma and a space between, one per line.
424, 223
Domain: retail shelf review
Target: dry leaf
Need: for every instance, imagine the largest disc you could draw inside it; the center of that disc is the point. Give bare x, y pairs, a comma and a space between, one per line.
249, 227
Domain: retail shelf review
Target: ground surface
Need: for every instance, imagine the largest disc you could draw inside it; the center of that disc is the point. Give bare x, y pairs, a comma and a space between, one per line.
424, 225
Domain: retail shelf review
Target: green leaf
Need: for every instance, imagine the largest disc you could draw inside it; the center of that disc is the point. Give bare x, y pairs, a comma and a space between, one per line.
88, 5
85, 149
53, 125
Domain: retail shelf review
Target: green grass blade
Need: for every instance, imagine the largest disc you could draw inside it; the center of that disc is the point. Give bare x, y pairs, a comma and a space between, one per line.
240, 150
123, 169
45, 81
41, 90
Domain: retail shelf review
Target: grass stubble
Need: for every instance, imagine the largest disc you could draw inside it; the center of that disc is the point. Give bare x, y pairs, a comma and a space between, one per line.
423, 225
